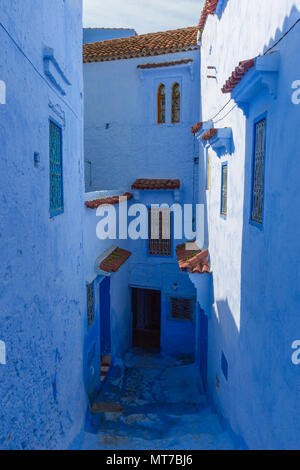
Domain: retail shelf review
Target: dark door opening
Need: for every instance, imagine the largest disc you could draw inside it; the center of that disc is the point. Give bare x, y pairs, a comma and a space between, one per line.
146, 309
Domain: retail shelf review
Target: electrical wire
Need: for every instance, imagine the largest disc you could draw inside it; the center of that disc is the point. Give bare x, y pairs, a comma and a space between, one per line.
266, 52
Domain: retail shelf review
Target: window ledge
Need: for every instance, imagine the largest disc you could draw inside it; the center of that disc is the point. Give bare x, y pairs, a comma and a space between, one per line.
205, 127
263, 76
221, 142
177, 193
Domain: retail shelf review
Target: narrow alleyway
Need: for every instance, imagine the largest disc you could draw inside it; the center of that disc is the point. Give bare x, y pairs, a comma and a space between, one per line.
149, 402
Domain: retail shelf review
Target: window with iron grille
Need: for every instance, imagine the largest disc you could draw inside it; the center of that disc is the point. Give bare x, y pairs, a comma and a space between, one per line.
181, 309
56, 176
175, 103
90, 303
160, 232
224, 189
258, 172
161, 104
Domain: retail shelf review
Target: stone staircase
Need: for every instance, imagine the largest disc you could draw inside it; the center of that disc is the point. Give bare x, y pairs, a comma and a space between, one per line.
150, 402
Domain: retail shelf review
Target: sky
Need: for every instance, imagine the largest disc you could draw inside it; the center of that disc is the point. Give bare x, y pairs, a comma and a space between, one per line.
145, 16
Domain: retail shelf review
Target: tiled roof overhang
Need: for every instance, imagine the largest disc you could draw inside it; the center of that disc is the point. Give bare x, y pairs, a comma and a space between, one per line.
153, 184
164, 64
192, 260
115, 260
237, 75
144, 45
107, 201
208, 9
197, 127
252, 77
209, 134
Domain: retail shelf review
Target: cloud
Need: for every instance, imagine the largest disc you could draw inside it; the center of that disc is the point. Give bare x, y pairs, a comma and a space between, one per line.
142, 15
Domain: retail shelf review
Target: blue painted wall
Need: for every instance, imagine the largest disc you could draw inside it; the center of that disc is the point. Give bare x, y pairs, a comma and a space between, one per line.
42, 295
123, 142
254, 315
122, 138
119, 291
104, 34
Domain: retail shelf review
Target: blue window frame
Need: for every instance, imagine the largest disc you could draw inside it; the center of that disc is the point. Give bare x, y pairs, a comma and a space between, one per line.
56, 169
224, 184
257, 196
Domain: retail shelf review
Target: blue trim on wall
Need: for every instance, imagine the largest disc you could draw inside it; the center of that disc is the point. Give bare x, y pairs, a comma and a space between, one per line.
255, 121
222, 215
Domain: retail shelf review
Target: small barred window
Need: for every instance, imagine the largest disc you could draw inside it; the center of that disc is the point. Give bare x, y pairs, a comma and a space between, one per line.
224, 189
175, 103
161, 104
56, 177
258, 172
181, 309
160, 232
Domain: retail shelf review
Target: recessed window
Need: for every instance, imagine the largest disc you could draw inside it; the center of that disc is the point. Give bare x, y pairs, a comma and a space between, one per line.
160, 232
175, 103
90, 303
258, 172
56, 173
224, 179
161, 104
181, 309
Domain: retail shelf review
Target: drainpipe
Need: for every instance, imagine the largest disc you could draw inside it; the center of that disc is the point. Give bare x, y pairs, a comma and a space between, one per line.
195, 182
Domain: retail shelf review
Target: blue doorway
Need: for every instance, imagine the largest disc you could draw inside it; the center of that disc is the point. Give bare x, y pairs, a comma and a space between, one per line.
146, 310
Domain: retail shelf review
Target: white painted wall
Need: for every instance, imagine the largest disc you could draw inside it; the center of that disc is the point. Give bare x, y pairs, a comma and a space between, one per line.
255, 316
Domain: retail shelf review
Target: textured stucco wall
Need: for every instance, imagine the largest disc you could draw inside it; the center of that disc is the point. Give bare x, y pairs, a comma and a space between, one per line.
120, 299
122, 139
255, 316
42, 293
124, 142
140, 271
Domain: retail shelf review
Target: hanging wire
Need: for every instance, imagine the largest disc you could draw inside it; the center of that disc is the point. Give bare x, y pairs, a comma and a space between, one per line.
266, 52
282, 37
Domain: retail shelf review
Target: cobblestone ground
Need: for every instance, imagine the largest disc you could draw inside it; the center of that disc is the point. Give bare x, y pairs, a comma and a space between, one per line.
151, 402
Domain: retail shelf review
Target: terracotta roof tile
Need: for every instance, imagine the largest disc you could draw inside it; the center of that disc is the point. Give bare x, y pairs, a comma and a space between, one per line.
115, 260
209, 134
164, 64
112, 29
196, 127
208, 9
144, 45
106, 201
156, 184
237, 75
192, 260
